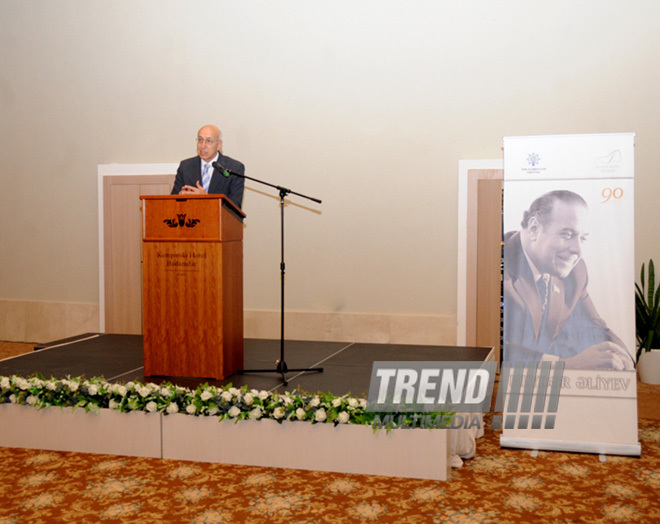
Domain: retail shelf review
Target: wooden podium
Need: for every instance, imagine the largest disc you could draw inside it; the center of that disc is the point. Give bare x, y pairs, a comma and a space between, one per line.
192, 286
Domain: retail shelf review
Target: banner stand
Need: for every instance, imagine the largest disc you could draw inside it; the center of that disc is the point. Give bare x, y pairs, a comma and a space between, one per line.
568, 283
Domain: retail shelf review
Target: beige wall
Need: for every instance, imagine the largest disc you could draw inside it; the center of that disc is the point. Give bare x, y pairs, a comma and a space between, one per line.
367, 105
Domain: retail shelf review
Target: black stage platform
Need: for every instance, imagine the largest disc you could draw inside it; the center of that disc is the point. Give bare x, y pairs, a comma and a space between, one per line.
346, 366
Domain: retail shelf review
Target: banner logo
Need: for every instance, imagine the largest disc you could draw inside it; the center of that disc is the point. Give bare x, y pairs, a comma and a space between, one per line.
533, 159
613, 158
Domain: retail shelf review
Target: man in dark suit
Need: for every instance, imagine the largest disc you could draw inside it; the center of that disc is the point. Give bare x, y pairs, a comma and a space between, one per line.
198, 176
548, 314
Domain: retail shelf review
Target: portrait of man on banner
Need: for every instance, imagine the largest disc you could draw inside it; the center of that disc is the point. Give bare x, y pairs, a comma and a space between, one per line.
548, 311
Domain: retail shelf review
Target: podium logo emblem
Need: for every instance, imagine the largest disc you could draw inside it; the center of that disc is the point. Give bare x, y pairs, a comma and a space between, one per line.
180, 221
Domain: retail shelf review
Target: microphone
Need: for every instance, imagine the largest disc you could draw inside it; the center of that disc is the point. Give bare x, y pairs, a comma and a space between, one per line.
223, 170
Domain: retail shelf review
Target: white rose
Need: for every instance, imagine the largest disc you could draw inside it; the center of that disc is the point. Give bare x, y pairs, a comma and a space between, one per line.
122, 391
320, 415
226, 396
73, 386
51, 386
315, 402
206, 395
214, 411
263, 395
144, 391
22, 383
300, 413
287, 400
278, 413
353, 402
173, 408
191, 409
234, 391
234, 411
336, 402
165, 391
5, 383
249, 399
363, 403
93, 389
152, 406
343, 417
31, 400
12, 398
256, 413
113, 404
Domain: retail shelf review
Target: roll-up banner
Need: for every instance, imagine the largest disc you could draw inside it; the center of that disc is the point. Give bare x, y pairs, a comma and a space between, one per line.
568, 293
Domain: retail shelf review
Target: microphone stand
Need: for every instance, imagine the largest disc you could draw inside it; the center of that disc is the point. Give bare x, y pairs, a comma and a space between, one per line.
281, 367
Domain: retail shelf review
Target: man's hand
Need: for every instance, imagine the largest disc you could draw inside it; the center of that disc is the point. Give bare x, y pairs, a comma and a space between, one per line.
605, 355
193, 190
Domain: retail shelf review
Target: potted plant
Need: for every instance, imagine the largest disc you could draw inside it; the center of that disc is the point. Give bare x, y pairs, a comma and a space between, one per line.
647, 324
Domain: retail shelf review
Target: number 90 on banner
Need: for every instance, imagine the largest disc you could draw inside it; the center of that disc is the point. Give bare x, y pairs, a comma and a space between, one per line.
611, 193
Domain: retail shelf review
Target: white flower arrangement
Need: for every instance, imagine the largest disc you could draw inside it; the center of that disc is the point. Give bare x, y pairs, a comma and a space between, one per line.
225, 402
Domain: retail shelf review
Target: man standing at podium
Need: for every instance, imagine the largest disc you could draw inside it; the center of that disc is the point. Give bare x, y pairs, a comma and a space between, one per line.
197, 176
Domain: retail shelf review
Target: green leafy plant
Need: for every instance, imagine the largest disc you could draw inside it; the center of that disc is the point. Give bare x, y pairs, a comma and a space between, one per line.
647, 311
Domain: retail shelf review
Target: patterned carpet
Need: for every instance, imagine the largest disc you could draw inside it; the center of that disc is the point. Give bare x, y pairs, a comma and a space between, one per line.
497, 486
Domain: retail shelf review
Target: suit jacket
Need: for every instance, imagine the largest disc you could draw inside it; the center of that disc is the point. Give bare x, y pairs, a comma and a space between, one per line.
570, 322
190, 172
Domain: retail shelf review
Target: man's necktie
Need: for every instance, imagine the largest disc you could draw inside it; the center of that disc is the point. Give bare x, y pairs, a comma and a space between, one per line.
542, 284
206, 177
